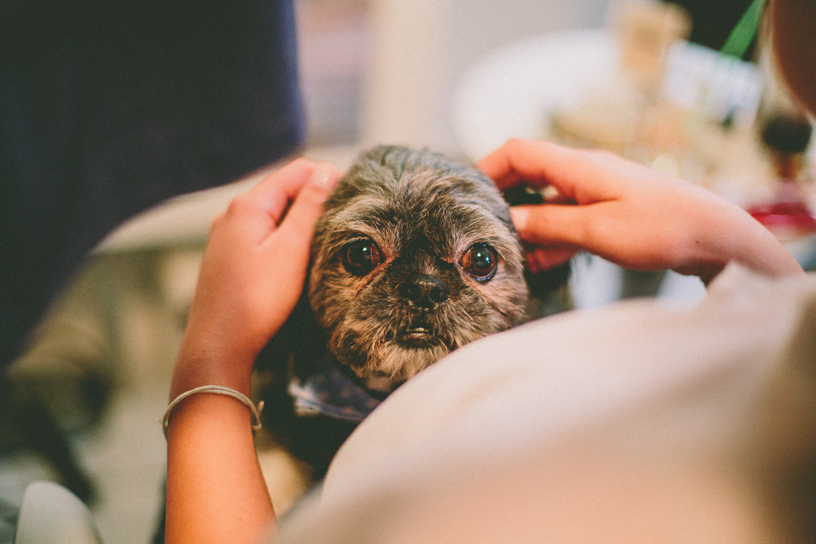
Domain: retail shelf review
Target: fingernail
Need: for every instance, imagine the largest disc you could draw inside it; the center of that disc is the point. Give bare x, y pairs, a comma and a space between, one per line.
320, 176
519, 217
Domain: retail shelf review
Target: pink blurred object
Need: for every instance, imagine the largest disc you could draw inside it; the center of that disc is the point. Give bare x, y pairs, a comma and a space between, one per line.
786, 218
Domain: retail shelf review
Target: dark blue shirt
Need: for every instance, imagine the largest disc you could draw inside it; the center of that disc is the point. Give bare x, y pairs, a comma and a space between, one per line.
108, 107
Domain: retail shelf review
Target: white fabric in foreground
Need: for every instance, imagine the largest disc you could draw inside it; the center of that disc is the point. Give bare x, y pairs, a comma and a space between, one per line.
639, 418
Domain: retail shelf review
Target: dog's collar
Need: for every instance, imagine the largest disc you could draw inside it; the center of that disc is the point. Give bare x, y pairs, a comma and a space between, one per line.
330, 393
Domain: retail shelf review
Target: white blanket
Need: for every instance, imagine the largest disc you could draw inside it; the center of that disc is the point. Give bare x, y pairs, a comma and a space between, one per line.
635, 422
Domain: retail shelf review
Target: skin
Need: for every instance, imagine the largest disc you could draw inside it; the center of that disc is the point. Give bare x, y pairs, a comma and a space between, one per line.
215, 488
624, 212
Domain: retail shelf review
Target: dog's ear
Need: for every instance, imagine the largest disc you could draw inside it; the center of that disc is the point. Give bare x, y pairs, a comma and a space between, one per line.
275, 357
291, 353
299, 340
540, 284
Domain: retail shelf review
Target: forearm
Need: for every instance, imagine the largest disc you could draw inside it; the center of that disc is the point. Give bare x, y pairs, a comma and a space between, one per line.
215, 487
250, 280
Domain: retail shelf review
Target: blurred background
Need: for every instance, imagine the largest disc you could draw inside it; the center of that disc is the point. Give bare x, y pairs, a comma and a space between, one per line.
456, 76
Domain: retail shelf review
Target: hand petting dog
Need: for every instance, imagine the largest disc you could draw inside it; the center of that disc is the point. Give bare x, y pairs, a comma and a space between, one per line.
253, 272
629, 214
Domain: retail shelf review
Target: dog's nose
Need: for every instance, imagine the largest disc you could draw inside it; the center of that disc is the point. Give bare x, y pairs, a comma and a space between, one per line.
424, 290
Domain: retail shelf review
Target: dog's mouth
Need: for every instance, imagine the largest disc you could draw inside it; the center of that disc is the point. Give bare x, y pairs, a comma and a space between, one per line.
418, 334
418, 331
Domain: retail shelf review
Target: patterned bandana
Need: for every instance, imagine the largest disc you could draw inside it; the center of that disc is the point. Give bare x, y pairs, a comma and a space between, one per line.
331, 393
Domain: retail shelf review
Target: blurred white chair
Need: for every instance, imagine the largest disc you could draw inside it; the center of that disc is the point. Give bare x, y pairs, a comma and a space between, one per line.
50, 514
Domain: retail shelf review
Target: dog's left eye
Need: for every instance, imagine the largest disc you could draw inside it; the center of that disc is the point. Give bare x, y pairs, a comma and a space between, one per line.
480, 262
361, 257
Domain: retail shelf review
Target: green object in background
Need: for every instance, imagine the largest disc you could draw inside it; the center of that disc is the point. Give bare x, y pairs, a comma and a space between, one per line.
744, 31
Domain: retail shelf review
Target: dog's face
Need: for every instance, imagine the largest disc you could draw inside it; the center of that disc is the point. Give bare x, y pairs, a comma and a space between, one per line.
413, 257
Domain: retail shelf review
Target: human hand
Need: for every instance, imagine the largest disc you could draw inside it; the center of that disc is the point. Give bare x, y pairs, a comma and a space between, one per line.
629, 214
252, 275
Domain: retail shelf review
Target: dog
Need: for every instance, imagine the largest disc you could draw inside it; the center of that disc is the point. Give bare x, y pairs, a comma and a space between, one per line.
414, 256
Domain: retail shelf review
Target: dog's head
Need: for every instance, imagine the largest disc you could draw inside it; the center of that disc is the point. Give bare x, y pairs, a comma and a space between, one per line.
414, 256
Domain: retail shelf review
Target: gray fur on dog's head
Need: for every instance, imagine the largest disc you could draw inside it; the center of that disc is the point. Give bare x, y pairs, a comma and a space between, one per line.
401, 262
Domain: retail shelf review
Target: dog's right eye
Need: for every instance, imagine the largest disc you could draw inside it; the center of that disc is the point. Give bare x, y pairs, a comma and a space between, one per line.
361, 257
480, 262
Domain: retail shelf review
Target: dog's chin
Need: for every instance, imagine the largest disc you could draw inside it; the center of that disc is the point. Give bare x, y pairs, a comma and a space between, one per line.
398, 359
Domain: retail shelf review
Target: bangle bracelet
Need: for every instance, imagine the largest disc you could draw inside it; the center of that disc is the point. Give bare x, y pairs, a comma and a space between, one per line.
219, 390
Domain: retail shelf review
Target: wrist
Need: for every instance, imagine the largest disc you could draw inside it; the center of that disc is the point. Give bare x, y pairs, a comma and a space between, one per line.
218, 390
199, 365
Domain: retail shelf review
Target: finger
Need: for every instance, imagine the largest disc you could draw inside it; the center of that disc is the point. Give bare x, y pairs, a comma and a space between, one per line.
552, 225
540, 259
275, 192
297, 228
577, 174
256, 214
528, 160
558, 198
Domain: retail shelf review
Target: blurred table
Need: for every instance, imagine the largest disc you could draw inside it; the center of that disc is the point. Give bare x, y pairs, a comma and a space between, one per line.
508, 93
514, 91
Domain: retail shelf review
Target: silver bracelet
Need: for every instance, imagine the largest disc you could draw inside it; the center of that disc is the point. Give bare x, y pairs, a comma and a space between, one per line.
219, 390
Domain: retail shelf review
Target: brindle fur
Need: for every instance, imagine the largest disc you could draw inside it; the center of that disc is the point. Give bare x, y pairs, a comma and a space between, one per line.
424, 212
